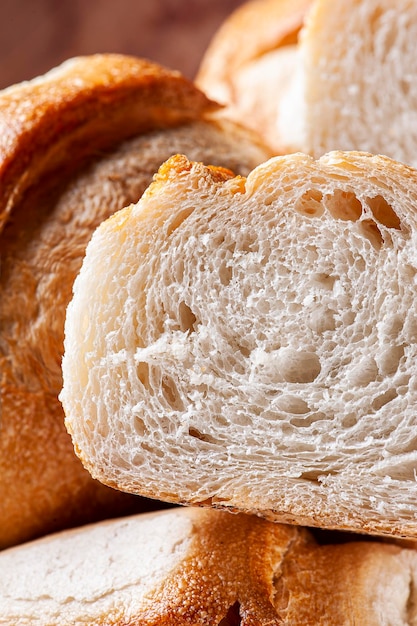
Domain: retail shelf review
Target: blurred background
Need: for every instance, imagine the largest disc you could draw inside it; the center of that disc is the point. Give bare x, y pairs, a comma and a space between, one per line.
36, 35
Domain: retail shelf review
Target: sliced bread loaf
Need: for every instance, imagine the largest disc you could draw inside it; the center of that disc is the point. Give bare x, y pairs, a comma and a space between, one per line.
251, 343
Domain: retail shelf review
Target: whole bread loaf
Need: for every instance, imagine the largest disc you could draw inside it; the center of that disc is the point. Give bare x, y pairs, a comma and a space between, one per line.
200, 567
251, 343
75, 145
336, 75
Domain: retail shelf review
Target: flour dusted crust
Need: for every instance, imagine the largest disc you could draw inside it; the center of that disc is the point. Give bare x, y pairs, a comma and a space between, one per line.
76, 145
250, 343
193, 566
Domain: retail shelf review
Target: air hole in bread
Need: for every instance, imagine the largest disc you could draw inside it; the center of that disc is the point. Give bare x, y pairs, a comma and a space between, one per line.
375, 17
384, 399
153, 450
310, 203
362, 372
244, 350
391, 326
307, 420
401, 471
383, 212
142, 371
298, 366
178, 270
170, 393
410, 327
404, 86
292, 405
187, 319
246, 242
225, 273
343, 205
349, 421
177, 219
389, 359
322, 319
194, 432
139, 426
284, 365
232, 617
323, 280
312, 476
369, 229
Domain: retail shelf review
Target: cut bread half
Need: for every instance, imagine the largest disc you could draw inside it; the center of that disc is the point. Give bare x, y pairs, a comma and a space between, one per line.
251, 343
75, 146
195, 567
344, 81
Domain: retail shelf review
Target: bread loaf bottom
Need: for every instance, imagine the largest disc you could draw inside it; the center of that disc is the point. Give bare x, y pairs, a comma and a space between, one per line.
251, 343
198, 567
65, 165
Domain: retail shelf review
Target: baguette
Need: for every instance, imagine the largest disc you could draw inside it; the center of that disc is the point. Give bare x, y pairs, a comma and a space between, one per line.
75, 145
251, 343
344, 82
192, 566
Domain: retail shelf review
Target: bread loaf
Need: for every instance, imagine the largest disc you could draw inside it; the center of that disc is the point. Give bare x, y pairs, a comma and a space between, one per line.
251, 343
345, 80
192, 566
75, 146
253, 66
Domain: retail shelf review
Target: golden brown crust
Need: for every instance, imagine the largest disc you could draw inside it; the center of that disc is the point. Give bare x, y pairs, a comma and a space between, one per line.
196, 567
178, 164
351, 583
255, 28
84, 106
227, 575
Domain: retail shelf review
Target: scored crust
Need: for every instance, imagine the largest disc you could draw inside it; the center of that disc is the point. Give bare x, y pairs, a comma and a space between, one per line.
192, 566
254, 346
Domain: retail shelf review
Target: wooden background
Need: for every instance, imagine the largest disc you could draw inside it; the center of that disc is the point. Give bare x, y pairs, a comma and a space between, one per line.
36, 35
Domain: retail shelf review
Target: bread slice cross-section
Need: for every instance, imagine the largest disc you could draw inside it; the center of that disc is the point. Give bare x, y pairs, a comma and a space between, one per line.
250, 343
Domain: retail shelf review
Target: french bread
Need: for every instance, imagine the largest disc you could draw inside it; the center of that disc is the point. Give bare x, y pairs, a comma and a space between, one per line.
194, 566
344, 81
75, 145
251, 343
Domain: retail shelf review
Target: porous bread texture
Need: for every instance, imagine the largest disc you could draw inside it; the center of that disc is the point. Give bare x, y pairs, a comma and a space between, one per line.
360, 86
193, 566
251, 343
344, 80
